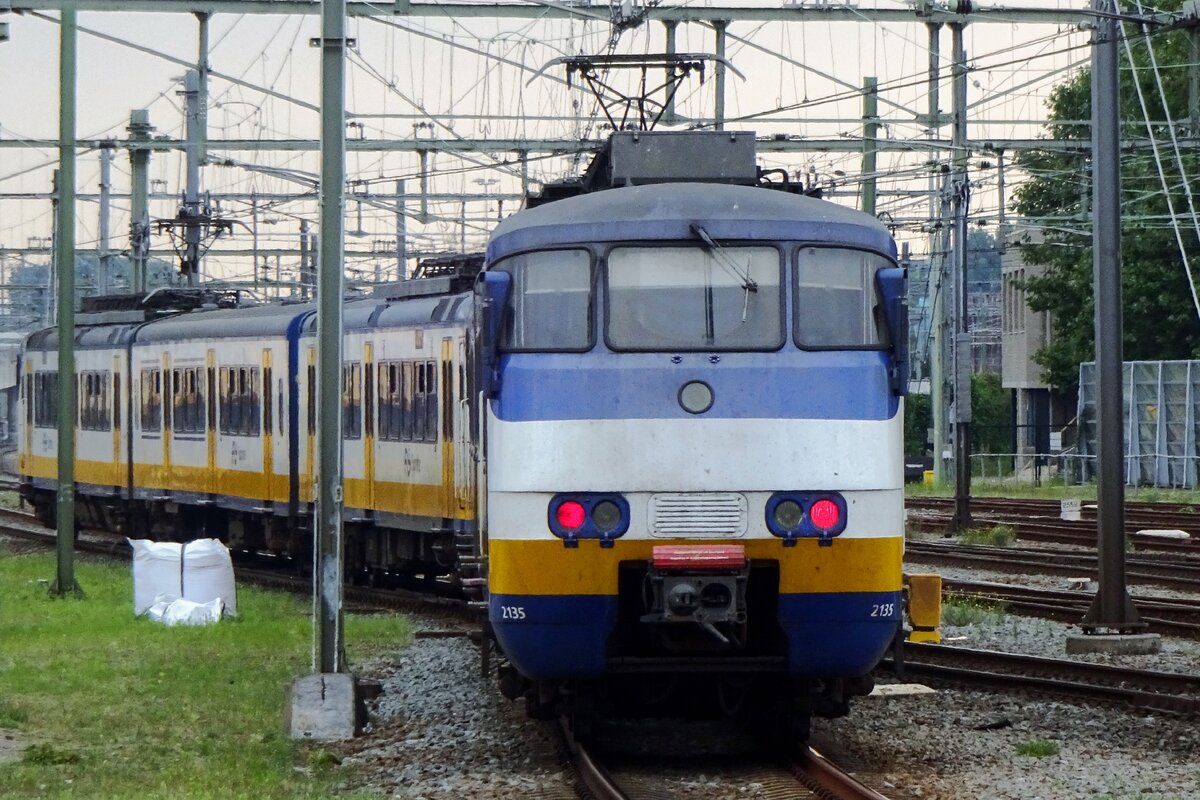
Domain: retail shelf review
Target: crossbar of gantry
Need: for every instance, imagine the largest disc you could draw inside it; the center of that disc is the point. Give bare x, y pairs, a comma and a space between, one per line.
814, 12
570, 147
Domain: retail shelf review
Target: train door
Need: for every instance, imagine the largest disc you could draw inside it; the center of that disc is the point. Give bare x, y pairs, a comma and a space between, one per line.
210, 434
446, 395
27, 453
268, 428
116, 417
368, 424
310, 396
463, 468
168, 416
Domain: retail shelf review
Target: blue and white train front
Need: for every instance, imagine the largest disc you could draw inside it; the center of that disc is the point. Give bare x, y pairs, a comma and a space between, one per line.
694, 455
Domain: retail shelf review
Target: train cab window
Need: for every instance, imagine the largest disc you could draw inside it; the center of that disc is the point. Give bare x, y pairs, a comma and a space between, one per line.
187, 395
93, 401
837, 304
240, 404
550, 308
695, 298
45, 399
352, 400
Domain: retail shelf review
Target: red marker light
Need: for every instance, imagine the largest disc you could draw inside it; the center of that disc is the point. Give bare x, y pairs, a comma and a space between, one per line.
824, 514
571, 515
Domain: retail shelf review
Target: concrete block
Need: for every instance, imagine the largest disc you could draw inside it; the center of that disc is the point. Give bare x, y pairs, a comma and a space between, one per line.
1125, 644
900, 690
323, 708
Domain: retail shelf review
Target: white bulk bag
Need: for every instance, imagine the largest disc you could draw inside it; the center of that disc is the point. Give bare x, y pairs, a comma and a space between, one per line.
200, 571
177, 611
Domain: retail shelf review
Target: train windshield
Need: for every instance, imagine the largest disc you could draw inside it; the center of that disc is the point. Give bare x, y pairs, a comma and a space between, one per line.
550, 307
694, 298
837, 304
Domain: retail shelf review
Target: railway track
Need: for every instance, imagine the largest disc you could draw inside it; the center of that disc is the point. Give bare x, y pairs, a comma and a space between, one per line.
456, 610
1039, 520
807, 774
1138, 690
1164, 615
1153, 569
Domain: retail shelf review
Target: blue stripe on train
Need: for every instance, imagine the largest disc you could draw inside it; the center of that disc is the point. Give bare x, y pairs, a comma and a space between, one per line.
785, 385
565, 636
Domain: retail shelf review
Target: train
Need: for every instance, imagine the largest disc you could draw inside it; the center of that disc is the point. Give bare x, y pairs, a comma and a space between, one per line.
656, 431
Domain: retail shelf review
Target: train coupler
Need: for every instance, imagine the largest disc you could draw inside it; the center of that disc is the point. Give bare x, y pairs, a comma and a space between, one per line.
700, 585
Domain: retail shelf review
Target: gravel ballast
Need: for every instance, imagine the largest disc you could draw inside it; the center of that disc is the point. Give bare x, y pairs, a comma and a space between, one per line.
441, 731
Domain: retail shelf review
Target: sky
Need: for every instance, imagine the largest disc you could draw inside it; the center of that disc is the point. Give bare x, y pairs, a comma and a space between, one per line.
470, 78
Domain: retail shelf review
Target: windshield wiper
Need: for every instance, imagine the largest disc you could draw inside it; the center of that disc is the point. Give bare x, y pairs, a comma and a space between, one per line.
748, 284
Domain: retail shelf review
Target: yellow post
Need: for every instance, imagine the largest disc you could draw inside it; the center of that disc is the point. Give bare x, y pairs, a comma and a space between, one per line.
925, 608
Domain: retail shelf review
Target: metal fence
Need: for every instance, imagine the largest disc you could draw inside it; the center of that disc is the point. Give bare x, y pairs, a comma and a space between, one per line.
1161, 416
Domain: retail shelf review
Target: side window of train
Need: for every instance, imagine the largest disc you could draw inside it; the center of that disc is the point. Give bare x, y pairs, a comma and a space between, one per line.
240, 404
151, 400
836, 299
352, 400
187, 394
550, 308
389, 401
93, 401
45, 399
406, 402
431, 401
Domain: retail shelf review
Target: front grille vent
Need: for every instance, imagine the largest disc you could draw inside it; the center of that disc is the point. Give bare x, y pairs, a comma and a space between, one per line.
698, 515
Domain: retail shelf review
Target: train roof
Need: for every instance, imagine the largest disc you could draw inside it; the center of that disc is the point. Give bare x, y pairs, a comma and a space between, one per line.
265, 321
225, 323
405, 312
87, 337
667, 212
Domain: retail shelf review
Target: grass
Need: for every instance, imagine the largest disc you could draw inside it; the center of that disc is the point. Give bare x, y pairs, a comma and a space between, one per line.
961, 610
118, 707
993, 536
1037, 747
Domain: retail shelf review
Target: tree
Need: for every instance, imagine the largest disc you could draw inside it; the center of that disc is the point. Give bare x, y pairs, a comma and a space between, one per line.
917, 421
991, 414
1160, 318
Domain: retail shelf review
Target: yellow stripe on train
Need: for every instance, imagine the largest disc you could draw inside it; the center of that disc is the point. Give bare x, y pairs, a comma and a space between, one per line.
546, 567
418, 499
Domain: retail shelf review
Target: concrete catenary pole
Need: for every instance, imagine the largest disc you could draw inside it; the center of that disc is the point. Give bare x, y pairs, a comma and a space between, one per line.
668, 117
960, 187
720, 26
1111, 610
328, 552
104, 267
191, 197
401, 234
870, 145
139, 215
64, 265
937, 265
